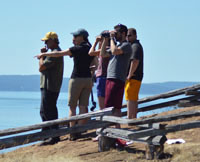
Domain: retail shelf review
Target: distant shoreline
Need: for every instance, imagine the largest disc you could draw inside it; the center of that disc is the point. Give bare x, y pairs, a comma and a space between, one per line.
31, 83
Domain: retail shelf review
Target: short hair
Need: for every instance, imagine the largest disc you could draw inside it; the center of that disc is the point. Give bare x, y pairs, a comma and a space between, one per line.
122, 28
133, 31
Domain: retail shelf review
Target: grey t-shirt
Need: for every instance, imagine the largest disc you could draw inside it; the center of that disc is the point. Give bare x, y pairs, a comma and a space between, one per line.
51, 78
118, 64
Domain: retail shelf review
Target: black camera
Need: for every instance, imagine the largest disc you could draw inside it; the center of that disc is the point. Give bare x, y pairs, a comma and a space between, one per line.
105, 34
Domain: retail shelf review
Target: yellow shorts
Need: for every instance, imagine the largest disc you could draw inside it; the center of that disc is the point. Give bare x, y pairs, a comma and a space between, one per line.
132, 88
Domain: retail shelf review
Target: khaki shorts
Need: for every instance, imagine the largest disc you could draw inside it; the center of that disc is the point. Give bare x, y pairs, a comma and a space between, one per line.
79, 91
132, 88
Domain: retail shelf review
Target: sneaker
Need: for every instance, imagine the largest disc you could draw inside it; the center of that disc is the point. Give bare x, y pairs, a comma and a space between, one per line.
50, 141
121, 142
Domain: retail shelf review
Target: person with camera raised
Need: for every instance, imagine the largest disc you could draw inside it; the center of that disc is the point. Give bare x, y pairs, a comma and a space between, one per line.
101, 71
117, 67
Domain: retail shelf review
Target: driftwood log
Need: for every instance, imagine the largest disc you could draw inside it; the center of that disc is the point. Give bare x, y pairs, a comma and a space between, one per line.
137, 135
107, 111
163, 104
170, 93
192, 92
154, 144
155, 119
38, 136
154, 138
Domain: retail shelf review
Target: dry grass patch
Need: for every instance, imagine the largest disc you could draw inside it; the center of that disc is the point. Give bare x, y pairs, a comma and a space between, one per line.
35, 158
188, 152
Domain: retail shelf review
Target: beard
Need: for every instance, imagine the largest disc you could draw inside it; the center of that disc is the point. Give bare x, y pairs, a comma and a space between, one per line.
118, 38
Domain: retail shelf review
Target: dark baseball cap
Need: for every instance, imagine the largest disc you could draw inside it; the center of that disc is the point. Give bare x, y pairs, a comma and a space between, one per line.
121, 27
80, 32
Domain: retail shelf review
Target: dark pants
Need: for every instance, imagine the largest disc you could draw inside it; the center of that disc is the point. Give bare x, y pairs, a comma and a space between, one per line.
48, 108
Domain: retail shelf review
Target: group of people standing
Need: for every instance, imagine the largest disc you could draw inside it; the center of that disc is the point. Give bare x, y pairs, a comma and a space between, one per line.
119, 69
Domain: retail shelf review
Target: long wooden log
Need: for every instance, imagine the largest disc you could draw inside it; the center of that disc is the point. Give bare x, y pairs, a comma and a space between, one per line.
168, 129
166, 104
138, 135
167, 94
105, 132
156, 119
132, 134
38, 136
162, 105
170, 93
184, 126
107, 111
189, 92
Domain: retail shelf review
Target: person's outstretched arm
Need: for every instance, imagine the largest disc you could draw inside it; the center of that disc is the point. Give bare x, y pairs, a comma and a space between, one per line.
55, 54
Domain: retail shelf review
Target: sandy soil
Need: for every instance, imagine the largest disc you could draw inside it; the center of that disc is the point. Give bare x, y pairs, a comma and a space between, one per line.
85, 149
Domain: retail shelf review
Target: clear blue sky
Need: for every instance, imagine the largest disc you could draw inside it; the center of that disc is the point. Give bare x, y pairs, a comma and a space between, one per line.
168, 30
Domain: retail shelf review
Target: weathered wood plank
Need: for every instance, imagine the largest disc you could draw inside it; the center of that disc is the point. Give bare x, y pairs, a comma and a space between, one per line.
146, 132
184, 126
162, 105
107, 111
170, 93
156, 119
173, 93
38, 136
131, 134
190, 92
104, 132
152, 125
159, 140
137, 135
166, 104
154, 137
188, 103
105, 143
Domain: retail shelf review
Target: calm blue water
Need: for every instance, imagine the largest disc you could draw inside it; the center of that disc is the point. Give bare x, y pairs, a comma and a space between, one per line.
23, 108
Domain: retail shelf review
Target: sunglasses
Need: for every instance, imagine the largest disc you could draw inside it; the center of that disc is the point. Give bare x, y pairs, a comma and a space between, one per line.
129, 35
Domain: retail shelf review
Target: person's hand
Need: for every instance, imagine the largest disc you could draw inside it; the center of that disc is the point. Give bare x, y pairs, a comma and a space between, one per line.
98, 38
44, 49
112, 33
39, 55
129, 76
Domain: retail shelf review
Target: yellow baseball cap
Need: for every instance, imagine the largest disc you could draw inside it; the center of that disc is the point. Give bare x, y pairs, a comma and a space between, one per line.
50, 35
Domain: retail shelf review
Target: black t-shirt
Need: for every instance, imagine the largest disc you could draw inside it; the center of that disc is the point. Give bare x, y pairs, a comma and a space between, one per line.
137, 53
82, 60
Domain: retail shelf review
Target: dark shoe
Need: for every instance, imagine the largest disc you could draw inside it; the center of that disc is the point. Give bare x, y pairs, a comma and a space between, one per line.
50, 141
74, 136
